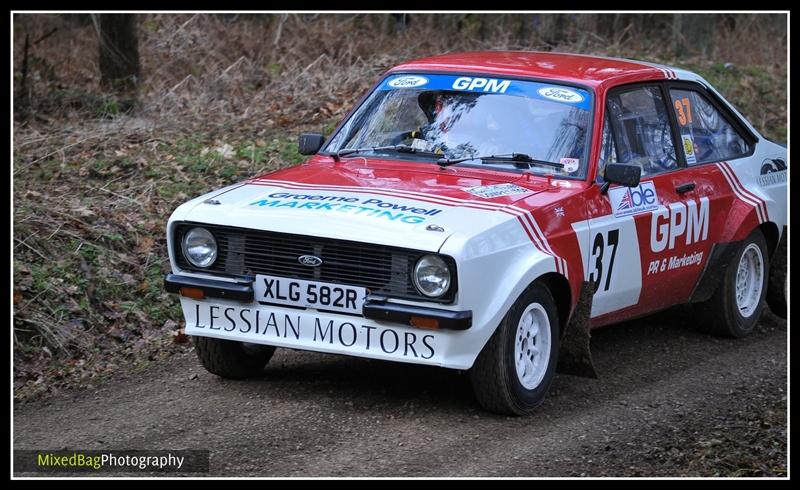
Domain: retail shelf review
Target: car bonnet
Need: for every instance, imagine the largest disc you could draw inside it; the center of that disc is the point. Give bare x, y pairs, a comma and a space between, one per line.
409, 209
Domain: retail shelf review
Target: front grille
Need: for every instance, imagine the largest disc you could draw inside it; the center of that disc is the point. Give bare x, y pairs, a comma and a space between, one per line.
246, 252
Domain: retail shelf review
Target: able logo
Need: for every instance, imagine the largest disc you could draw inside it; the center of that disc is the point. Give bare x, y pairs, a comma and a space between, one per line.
626, 201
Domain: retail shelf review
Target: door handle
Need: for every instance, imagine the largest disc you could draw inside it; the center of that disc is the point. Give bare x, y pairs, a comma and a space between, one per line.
685, 187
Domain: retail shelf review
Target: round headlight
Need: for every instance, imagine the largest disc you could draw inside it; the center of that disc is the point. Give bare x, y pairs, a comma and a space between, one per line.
199, 247
432, 276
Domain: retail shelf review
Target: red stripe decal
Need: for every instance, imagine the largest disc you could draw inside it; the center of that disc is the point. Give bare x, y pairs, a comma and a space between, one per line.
761, 205
536, 243
538, 232
737, 191
739, 194
747, 191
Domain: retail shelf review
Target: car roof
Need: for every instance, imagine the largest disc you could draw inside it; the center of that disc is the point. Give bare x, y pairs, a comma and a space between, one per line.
592, 71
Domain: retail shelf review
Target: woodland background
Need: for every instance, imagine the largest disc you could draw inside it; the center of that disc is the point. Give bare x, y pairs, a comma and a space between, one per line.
120, 118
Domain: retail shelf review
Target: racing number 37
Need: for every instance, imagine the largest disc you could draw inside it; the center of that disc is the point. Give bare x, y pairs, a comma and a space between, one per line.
683, 109
601, 255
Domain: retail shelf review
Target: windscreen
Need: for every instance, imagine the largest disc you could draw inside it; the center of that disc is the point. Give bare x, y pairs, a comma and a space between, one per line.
452, 116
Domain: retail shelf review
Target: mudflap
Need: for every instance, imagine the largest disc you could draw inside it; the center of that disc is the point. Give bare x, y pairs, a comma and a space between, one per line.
575, 356
776, 288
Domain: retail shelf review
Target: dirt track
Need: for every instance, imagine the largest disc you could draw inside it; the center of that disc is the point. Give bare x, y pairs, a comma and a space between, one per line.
670, 401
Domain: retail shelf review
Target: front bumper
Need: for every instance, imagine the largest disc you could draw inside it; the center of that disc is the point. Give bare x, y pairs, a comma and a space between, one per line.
375, 308
208, 288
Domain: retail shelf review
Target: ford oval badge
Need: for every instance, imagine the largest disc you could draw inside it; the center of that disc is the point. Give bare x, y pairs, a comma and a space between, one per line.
408, 81
310, 260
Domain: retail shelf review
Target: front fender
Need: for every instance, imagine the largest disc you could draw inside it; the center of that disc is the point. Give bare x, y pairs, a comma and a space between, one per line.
181, 212
494, 269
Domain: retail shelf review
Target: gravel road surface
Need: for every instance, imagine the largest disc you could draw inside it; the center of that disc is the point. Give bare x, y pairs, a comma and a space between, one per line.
670, 401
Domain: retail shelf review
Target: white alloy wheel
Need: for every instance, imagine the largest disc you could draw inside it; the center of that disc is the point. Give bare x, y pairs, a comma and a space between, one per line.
515, 369
532, 346
749, 280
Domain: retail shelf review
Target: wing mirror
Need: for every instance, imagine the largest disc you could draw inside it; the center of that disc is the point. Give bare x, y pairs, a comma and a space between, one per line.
310, 143
622, 174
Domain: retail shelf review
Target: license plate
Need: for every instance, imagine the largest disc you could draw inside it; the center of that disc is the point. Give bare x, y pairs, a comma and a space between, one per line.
309, 294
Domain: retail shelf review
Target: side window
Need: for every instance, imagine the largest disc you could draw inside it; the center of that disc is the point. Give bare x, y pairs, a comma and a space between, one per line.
608, 152
705, 134
641, 129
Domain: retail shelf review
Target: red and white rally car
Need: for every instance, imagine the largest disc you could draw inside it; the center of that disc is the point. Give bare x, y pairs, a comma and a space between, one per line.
483, 211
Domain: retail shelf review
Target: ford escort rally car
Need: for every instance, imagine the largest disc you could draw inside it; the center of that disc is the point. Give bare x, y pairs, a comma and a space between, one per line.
484, 211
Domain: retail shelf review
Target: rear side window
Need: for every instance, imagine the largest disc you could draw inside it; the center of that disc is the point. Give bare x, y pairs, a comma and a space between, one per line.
705, 134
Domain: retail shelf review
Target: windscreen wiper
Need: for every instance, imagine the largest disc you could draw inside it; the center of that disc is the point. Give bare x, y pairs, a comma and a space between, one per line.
503, 158
397, 148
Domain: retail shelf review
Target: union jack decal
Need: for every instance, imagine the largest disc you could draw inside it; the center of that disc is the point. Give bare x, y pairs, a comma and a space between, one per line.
626, 201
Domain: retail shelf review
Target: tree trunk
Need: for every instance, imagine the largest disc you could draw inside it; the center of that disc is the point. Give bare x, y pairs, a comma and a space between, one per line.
692, 34
549, 29
521, 31
604, 23
118, 50
586, 24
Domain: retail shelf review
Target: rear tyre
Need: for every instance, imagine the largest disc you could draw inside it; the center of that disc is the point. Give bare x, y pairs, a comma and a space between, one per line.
231, 359
513, 372
777, 289
738, 302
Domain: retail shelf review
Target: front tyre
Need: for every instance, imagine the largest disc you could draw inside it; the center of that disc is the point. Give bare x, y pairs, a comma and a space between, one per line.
513, 372
231, 359
736, 306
